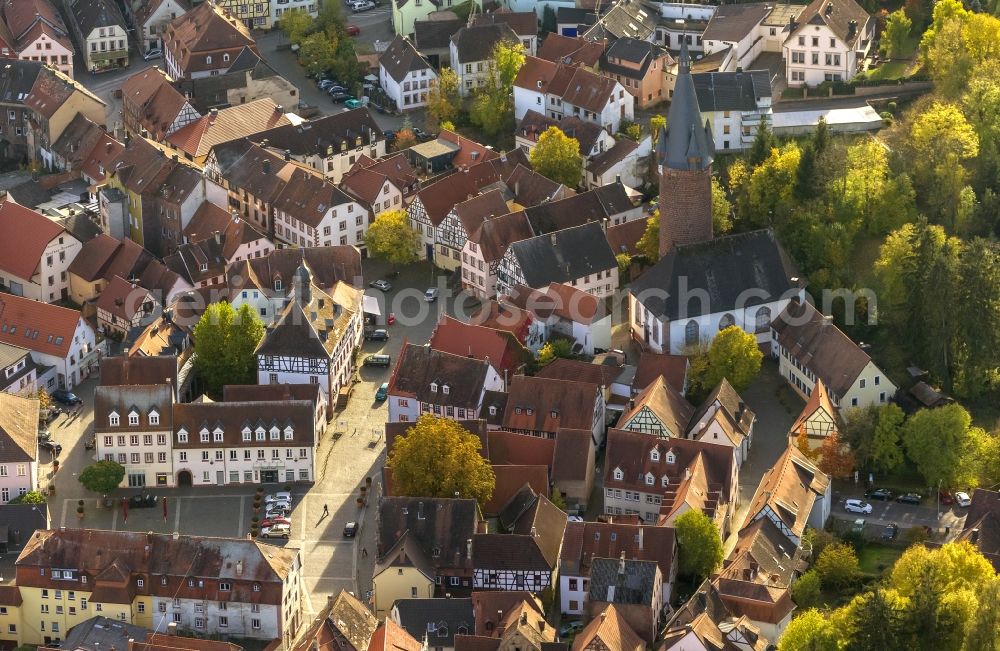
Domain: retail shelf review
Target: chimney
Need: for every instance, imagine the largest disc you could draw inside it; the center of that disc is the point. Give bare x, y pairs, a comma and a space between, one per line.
218, 237
604, 615
177, 535
974, 536
552, 238
687, 473
267, 167
541, 625
621, 564
288, 154
214, 113
524, 618
534, 532
279, 109
468, 548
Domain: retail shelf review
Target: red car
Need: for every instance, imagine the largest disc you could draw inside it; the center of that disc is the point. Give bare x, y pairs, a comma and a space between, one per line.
946, 497
353, 30
270, 522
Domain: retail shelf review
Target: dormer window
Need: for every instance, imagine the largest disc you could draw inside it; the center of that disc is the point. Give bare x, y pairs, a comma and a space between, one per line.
204, 436
671, 457
288, 433
434, 387
665, 481
530, 411
277, 284
554, 414
246, 434
650, 480
493, 410
225, 57
654, 455
275, 434
182, 436
445, 388
154, 418
217, 435
204, 266
619, 475
260, 434
208, 59
113, 419
133, 418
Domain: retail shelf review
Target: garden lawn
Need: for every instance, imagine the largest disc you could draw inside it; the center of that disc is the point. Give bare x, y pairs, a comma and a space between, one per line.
876, 559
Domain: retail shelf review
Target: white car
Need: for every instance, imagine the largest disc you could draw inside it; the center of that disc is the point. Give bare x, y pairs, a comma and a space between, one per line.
276, 531
431, 294
281, 496
281, 505
152, 53
363, 5
963, 499
857, 506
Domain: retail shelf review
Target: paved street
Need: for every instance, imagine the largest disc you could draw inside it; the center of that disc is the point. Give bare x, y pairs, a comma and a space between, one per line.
905, 515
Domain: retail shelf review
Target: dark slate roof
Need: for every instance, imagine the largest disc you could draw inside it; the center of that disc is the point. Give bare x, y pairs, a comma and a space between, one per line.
565, 255
734, 21
634, 581
434, 34
441, 527
476, 43
103, 633
400, 58
731, 91
627, 18
16, 79
724, 267
91, 14
687, 144
595, 205
524, 23
845, 18
575, 16
21, 522
440, 619
315, 137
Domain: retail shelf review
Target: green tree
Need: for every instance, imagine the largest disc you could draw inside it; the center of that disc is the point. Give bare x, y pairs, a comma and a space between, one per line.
632, 130
657, 124
771, 185
700, 548
438, 458
805, 176
493, 102
624, 261
318, 52
876, 617
649, 244
807, 590
941, 141
897, 30
733, 355
943, 446
984, 629
549, 23
763, 142
31, 497
722, 210
295, 24
810, 631
555, 349
224, 344
838, 566
944, 12
391, 238
557, 157
886, 448
978, 304
858, 430
102, 477
443, 100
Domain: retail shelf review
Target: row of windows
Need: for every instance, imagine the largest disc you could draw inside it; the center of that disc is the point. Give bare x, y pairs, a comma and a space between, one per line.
133, 440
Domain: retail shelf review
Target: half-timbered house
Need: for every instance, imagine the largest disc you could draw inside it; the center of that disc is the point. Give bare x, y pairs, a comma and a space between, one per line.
659, 410
462, 220
485, 248
542, 406
314, 339
794, 493
819, 418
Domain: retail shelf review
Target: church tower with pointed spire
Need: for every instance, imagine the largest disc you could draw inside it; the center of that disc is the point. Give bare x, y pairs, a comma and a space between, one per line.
684, 154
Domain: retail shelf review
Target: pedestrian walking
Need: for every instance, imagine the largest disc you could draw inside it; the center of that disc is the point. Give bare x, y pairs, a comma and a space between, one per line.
326, 510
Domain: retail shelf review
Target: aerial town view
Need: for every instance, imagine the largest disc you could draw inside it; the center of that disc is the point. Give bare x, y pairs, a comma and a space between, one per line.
512, 325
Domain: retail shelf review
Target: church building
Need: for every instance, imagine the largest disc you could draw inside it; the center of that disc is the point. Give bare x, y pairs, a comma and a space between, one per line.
703, 284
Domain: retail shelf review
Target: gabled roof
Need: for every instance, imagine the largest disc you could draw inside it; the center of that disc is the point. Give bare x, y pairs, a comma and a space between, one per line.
576, 370
584, 542
91, 14
390, 636
400, 58
608, 158
441, 527
789, 489
641, 53
571, 457
26, 233
982, 524
563, 256
198, 137
534, 124
510, 480
204, 30
53, 328
819, 345
597, 205
757, 576
732, 403
519, 449
52, 89
490, 608
323, 135
499, 347
624, 581
476, 43
523, 23
575, 51
609, 630
87, 146
560, 300
845, 18
543, 405
731, 91
158, 102
668, 406
434, 34
652, 365
624, 238
626, 18
18, 428
344, 624
819, 401
724, 267
313, 328
22, 15
734, 22
473, 212
439, 620
494, 236
437, 377
532, 544
123, 299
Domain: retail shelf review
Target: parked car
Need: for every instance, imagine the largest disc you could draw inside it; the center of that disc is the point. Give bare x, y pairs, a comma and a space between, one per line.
431, 294
43, 434
378, 360
383, 392
859, 526
962, 499
280, 496
879, 494
340, 98
890, 532
276, 531
152, 53
353, 30
49, 414
324, 84
421, 135
335, 88
382, 285
378, 335
390, 135
857, 506
946, 497
909, 498
142, 501
352, 103
270, 522
350, 529
362, 5
275, 512
90, 443
66, 397
569, 628
52, 447
283, 505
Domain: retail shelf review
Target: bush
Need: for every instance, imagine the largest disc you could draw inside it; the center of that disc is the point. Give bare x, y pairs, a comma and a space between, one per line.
838, 566
806, 591
820, 539
31, 497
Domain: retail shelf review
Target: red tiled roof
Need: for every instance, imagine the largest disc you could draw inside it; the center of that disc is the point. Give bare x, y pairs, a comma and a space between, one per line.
56, 326
197, 138
501, 348
653, 365
510, 479
542, 405
26, 233
519, 449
